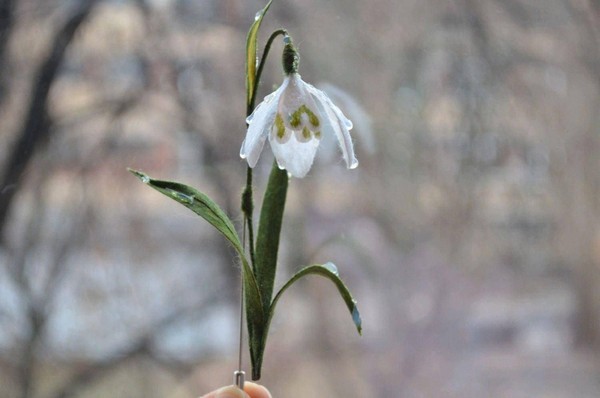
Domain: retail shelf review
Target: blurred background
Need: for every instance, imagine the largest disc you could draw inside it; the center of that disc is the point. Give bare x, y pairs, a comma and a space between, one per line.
470, 233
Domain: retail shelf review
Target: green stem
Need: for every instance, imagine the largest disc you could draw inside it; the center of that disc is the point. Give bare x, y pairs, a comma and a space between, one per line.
248, 210
269, 229
247, 200
261, 66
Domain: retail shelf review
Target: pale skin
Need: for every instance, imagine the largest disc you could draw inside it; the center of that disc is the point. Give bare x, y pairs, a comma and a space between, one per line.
251, 390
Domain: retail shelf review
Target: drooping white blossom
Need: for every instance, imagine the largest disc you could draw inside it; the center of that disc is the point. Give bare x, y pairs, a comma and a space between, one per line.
294, 118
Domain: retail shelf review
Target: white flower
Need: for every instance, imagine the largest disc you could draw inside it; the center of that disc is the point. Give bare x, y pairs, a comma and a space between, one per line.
294, 117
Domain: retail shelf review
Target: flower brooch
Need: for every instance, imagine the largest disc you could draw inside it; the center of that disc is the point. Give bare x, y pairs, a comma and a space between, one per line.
294, 117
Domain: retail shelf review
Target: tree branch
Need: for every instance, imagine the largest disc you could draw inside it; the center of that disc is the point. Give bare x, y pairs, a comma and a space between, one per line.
36, 126
6, 23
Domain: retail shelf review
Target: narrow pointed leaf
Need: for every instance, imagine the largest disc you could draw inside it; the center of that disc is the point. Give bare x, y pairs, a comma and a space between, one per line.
251, 52
265, 261
328, 272
206, 208
196, 201
269, 231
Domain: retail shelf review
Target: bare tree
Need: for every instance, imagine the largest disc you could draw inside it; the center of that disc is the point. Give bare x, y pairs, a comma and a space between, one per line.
37, 124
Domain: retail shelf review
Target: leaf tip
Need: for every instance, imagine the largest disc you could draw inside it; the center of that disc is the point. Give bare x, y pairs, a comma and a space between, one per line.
356, 318
142, 176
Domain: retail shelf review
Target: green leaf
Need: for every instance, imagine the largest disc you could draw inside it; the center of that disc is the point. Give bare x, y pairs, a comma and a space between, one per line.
330, 272
269, 231
251, 53
198, 202
206, 208
265, 261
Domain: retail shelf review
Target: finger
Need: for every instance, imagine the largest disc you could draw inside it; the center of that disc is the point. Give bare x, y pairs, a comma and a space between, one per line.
227, 392
256, 391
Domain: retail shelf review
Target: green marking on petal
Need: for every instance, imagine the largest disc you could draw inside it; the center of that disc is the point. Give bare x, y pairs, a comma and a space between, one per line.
280, 126
305, 133
318, 134
296, 117
314, 120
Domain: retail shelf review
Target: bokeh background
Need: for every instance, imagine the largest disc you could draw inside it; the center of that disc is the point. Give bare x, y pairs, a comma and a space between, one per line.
470, 233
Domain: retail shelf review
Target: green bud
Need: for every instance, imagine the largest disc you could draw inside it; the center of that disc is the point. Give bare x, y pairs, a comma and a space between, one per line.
291, 58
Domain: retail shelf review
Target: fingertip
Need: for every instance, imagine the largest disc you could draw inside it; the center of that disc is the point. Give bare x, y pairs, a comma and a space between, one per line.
256, 390
227, 392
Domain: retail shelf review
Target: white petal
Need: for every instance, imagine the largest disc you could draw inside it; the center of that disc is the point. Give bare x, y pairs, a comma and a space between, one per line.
293, 156
259, 125
334, 122
295, 96
274, 96
287, 133
363, 124
304, 135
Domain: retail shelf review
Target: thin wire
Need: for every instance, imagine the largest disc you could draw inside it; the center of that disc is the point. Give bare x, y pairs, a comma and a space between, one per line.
242, 306
241, 341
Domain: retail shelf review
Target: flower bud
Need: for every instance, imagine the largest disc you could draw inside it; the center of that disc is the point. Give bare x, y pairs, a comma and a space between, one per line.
291, 58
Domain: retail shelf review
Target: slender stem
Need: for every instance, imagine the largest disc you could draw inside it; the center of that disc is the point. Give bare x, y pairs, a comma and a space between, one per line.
239, 374
248, 210
247, 201
247, 205
241, 346
261, 66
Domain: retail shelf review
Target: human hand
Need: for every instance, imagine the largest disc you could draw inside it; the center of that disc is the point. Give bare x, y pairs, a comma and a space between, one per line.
251, 390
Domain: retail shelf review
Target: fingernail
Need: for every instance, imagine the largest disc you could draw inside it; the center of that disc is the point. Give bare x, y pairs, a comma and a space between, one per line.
230, 392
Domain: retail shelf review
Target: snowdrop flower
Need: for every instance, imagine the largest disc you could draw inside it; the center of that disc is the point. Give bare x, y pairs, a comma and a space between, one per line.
294, 118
